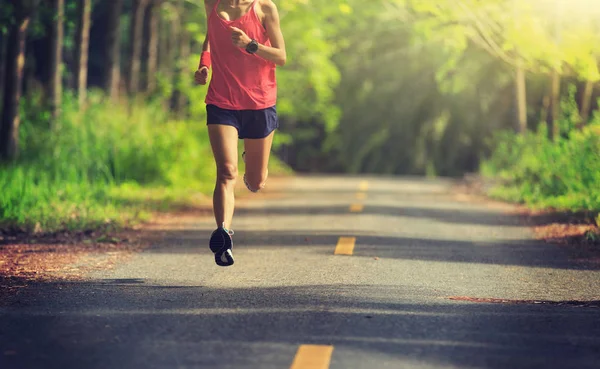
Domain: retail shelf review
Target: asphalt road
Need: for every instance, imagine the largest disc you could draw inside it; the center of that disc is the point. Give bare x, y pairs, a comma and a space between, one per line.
331, 272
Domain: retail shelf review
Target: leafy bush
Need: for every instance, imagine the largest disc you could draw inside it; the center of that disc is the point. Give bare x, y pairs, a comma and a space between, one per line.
563, 173
75, 174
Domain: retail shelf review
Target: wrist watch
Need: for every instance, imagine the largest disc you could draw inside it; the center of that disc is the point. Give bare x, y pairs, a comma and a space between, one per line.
252, 47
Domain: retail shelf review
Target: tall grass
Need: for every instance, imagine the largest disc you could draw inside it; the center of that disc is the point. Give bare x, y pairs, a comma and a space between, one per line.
102, 165
563, 173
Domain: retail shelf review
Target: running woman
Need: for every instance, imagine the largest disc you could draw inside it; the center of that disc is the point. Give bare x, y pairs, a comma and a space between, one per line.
244, 44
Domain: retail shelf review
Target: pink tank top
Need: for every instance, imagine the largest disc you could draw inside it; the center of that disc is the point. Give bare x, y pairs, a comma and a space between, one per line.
240, 81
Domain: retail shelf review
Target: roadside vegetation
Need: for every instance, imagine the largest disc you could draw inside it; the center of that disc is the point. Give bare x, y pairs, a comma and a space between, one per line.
101, 165
101, 124
563, 174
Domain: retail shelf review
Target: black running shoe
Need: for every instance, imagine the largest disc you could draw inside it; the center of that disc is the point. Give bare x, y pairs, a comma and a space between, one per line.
221, 244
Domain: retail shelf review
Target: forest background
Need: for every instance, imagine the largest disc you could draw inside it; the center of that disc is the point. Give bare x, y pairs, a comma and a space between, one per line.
101, 122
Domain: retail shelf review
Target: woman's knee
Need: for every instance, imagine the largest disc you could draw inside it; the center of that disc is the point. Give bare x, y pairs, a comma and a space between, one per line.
227, 172
255, 182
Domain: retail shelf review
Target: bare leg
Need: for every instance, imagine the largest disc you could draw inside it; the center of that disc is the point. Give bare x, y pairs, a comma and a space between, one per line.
223, 140
257, 161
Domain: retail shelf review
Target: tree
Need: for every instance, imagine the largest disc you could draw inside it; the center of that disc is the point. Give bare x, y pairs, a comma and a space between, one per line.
15, 62
586, 102
581, 48
521, 98
137, 32
170, 28
182, 76
164, 64
2, 61
55, 81
153, 15
486, 25
555, 75
112, 74
184, 56
554, 112
84, 9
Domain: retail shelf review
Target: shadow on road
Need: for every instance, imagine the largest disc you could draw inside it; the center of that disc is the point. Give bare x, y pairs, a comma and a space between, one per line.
426, 196
515, 252
134, 324
440, 215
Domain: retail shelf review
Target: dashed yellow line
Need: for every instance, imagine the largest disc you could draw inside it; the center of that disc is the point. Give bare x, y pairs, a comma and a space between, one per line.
361, 195
312, 357
356, 208
345, 246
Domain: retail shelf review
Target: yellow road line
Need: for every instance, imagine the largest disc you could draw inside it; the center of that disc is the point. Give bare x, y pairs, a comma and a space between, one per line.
361, 195
363, 186
356, 208
312, 357
345, 246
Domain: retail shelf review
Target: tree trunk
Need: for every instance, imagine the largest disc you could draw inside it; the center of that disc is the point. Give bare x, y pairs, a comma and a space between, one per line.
555, 88
137, 33
174, 33
521, 94
173, 51
184, 75
15, 62
164, 64
2, 66
112, 74
553, 126
84, 10
586, 103
152, 64
180, 53
168, 48
544, 116
55, 82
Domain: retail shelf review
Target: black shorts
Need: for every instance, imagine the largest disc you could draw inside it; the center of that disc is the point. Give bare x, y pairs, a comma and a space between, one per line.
249, 123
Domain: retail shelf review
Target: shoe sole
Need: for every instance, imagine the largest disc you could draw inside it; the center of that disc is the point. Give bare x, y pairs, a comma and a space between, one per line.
221, 246
228, 257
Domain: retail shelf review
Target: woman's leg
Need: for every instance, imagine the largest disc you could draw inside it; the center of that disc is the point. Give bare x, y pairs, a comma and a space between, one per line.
257, 161
224, 141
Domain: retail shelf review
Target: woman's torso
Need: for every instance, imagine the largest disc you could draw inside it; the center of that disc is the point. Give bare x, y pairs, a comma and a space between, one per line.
240, 81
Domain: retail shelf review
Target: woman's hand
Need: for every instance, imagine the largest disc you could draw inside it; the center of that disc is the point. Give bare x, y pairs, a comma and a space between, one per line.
239, 37
201, 76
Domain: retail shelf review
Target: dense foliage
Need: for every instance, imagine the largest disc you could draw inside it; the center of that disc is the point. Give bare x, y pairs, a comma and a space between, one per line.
378, 86
86, 170
562, 173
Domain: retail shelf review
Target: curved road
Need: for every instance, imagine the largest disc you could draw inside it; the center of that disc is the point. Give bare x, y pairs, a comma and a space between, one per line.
331, 272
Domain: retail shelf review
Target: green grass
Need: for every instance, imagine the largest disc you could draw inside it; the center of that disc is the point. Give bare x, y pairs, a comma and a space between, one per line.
112, 164
562, 174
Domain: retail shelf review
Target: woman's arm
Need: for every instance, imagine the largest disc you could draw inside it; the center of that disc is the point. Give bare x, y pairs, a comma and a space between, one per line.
201, 75
208, 6
206, 44
276, 52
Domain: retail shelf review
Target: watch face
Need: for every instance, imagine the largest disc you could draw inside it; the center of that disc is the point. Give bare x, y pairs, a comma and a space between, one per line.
252, 47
